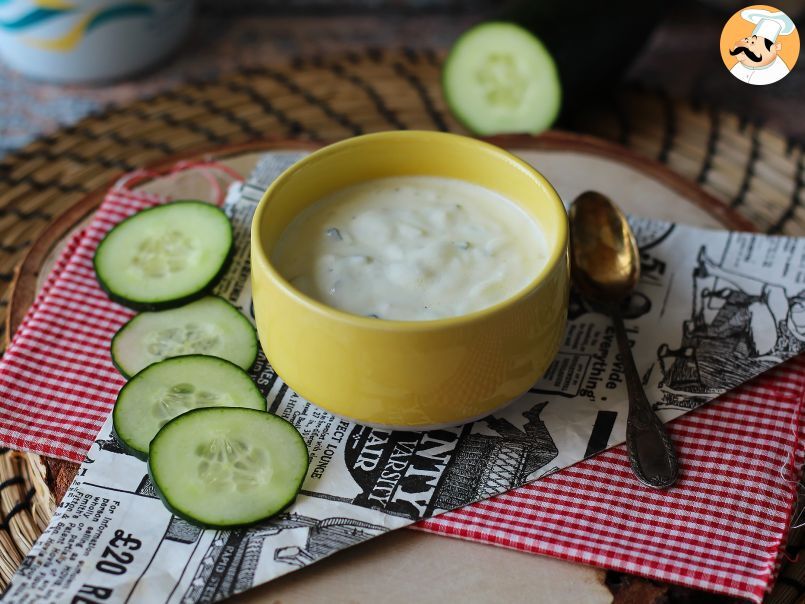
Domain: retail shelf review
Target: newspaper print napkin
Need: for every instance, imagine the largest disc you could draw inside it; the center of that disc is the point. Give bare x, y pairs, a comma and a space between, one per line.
701, 301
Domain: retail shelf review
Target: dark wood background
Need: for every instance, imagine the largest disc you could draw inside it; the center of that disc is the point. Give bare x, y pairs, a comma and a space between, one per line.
681, 56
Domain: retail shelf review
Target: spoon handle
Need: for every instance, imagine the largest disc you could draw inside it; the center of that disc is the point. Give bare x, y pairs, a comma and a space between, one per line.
651, 452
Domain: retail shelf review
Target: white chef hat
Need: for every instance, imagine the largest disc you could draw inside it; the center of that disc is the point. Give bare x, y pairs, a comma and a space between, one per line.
769, 24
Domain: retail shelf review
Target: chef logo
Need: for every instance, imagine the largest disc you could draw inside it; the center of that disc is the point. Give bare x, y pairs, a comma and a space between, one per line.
759, 45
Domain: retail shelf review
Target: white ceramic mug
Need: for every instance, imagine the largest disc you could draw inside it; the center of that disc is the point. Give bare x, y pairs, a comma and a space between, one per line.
90, 40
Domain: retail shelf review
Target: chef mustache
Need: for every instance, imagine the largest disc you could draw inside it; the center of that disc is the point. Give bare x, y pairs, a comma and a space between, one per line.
742, 49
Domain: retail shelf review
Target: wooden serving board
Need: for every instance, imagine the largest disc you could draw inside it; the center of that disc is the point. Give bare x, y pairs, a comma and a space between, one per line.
406, 565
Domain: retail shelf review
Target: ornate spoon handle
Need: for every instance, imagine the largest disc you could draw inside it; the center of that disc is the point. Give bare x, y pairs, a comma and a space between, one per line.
651, 452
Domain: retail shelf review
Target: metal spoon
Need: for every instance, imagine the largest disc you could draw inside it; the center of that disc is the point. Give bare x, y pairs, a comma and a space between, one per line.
605, 266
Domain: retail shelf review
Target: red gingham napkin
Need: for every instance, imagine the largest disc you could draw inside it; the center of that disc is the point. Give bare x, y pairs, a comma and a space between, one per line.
57, 381
720, 529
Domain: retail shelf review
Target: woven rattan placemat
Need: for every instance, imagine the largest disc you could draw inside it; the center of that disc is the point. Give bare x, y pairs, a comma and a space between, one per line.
754, 170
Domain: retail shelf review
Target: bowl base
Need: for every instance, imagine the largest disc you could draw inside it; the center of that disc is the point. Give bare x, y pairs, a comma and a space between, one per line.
425, 428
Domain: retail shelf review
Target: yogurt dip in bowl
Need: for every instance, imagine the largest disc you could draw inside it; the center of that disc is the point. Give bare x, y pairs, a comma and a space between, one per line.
411, 248
410, 280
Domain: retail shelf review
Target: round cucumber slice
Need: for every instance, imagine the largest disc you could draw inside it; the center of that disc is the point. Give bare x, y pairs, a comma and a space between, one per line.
210, 326
227, 467
499, 78
164, 256
168, 389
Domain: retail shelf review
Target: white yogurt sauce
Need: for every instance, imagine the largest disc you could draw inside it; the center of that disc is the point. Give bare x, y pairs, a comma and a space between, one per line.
411, 248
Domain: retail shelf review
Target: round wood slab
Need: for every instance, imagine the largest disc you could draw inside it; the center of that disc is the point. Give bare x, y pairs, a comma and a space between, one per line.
385, 568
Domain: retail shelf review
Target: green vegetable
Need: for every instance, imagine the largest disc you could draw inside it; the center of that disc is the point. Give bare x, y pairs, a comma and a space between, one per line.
164, 256
168, 389
210, 326
227, 467
499, 78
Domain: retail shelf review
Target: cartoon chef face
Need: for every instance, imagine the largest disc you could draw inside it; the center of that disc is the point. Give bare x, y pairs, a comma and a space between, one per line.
755, 51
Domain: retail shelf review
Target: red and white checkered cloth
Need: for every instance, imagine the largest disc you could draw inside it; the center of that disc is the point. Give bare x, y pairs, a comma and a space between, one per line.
57, 381
721, 529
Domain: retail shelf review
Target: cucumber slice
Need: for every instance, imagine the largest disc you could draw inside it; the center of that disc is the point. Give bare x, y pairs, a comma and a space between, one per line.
164, 256
165, 390
499, 78
227, 467
210, 326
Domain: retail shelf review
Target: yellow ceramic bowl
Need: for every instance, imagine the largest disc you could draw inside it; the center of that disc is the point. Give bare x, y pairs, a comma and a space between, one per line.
410, 374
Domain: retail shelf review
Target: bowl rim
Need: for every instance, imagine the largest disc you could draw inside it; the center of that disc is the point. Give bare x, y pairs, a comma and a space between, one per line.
557, 252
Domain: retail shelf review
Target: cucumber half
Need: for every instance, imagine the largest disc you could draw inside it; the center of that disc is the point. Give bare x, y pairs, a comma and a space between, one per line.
499, 78
227, 467
210, 326
168, 389
164, 256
